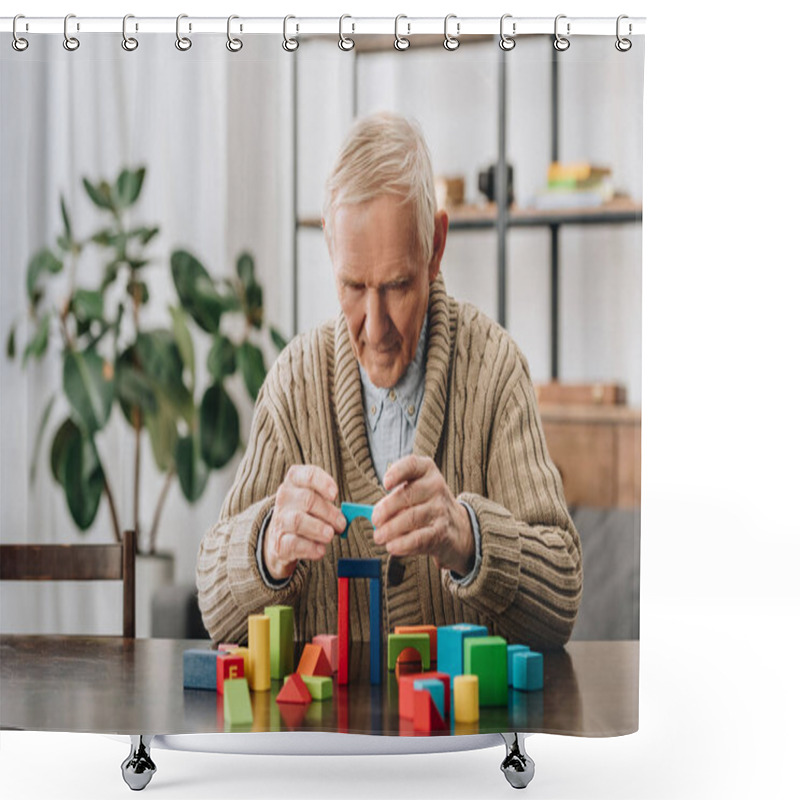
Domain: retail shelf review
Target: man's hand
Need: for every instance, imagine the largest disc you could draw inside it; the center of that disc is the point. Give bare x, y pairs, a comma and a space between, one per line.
303, 521
421, 516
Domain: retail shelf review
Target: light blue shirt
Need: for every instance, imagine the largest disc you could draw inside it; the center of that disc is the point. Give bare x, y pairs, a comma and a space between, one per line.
391, 416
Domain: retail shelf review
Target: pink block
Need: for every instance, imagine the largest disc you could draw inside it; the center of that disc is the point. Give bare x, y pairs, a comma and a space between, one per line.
329, 643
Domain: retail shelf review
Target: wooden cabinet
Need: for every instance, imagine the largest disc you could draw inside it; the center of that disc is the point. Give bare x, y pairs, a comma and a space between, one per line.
598, 451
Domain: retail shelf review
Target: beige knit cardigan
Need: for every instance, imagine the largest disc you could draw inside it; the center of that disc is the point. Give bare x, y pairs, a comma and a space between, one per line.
478, 422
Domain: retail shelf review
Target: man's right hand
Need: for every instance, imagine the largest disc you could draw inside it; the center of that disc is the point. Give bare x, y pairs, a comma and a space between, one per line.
304, 520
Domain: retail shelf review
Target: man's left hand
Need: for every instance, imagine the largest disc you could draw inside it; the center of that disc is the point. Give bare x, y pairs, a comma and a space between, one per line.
421, 516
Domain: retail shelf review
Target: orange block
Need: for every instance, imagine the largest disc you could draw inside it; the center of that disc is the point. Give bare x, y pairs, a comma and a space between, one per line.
405, 692
426, 715
294, 691
229, 665
429, 629
314, 662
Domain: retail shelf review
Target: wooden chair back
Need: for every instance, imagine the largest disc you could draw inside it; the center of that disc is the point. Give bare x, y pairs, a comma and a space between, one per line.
77, 562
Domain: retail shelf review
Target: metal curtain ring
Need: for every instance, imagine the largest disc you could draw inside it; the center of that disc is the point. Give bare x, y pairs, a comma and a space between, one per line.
128, 42
233, 44
507, 42
451, 42
183, 43
290, 44
623, 45
400, 42
18, 43
561, 43
345, 43
70, 42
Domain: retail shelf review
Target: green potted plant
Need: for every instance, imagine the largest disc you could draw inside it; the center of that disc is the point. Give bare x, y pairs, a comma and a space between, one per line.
114, 363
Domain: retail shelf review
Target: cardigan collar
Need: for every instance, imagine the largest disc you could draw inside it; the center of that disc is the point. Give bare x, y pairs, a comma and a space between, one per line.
347, 386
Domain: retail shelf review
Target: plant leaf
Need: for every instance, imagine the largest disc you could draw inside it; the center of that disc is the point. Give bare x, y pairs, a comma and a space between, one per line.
277, 338
100, 195
196, 290
221, 360
89, 387
163, 430
192, 470
129, 185
65, 217
11, 342
245, 269
66, 432
37, 346
42, 261
82, 479
161, 361
144, 234
39, 436
250, 361
87, 305
183, 340
219, 427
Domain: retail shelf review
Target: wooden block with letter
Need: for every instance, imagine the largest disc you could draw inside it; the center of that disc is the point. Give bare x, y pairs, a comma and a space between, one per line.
229, 666
485, 656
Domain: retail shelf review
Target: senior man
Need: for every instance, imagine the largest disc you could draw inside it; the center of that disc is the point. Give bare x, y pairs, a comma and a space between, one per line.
409, 401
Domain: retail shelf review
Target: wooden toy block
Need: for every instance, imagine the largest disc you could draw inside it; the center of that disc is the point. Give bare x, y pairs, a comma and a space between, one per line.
294, 690
426, 715
329, 642
259, 646
227, 647
465, 698
375, 636
244, 652
451, 646
343, 631
229, 666
400, 641
353, 510
430, 630
513, 649
238, 710
435, 688
485, 656
200, 669
528, 669
313, 661
320, 687
405, 692
358, 568
281, 640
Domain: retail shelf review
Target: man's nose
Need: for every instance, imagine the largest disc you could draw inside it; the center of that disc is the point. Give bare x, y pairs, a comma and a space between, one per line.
377, 319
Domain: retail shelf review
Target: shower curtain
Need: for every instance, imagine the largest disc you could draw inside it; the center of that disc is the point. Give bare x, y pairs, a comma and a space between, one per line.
161, 245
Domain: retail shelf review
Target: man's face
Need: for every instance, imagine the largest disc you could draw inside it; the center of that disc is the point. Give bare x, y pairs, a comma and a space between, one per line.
382, 285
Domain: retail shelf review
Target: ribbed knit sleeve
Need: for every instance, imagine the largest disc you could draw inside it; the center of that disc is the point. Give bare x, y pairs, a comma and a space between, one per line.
228, 581
530, 578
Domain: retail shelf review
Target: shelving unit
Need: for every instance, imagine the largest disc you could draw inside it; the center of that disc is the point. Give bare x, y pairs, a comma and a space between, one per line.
498, 216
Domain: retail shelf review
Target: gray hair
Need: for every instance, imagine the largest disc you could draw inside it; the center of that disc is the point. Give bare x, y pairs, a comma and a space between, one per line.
385, 154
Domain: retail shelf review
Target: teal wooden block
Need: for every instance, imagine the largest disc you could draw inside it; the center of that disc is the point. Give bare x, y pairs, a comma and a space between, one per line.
236, 703
200, 669
528, 671
513, 649
436, 689
485, 656
450, 646
353, 510
281, 640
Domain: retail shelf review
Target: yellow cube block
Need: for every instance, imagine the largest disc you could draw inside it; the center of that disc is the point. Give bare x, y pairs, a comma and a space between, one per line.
465, 698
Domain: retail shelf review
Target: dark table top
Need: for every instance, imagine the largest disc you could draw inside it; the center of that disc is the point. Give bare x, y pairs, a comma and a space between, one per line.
116, 685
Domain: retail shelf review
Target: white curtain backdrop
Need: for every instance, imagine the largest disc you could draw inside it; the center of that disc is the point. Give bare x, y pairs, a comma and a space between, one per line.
214, 130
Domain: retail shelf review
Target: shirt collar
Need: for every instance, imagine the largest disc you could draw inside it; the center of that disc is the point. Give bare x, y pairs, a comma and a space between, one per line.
407, 391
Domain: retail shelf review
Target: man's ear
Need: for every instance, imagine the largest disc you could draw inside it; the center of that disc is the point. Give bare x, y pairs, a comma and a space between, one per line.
440, 226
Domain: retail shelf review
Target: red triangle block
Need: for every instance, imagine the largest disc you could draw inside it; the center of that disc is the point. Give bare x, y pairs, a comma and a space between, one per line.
294, 691
426, 715
314, 662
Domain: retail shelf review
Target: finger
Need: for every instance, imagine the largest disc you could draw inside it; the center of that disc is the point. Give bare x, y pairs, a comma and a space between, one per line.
299, 523
417, 542
291, 547
408, 468
403, 523
313, 477
314, 505
405, 496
